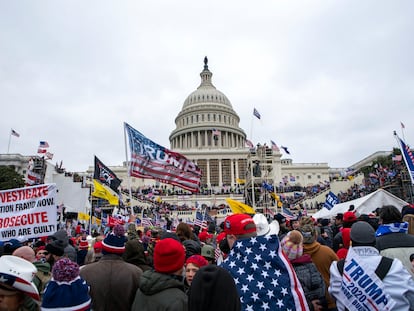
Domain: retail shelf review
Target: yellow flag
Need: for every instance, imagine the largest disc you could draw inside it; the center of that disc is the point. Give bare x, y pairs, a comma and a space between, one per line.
240, 181
96, 221
239, 207
100, 191
83, 216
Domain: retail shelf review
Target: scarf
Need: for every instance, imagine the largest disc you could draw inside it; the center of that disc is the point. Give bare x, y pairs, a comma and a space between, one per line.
401, 227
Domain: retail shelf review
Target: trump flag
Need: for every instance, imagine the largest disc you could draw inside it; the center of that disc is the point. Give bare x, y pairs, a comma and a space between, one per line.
150, 160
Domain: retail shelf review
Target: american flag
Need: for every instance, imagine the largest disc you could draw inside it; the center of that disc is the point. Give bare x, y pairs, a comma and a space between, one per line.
14, 133
43, 144
200, 221
216, 132
147, 222
152, 161
288, 214
274, 146
270, 212
408, 158
249, 144
256, 113
264, 277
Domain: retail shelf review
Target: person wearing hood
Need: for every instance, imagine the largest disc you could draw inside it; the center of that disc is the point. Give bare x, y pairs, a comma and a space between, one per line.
322, 256
69, 250
135, 254
306, 271
163, 288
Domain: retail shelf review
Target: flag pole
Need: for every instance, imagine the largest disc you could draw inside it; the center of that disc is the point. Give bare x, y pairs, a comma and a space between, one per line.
90, 212
129, 171
8, 147
402, 130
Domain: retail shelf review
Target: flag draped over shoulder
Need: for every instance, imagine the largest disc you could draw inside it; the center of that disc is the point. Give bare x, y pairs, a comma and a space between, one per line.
239, 207
100, 191
408, 157
150, 160
106, 176
264, 277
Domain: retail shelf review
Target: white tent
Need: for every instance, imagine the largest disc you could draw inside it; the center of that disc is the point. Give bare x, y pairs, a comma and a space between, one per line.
363, 205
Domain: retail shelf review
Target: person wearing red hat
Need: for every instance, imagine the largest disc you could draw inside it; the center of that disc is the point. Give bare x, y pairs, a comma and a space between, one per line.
163, 287
342, 239
263, 275
192, 265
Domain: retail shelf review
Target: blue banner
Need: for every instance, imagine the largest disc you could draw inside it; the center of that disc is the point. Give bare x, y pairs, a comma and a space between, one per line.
408, 158
331, 200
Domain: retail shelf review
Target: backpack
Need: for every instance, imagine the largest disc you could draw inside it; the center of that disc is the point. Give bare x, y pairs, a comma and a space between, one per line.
381, 271
41, 279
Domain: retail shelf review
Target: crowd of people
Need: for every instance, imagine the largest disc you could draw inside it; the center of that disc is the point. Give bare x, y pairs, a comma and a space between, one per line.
350, 262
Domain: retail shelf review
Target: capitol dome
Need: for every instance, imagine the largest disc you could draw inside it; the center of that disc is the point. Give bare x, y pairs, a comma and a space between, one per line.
207, 119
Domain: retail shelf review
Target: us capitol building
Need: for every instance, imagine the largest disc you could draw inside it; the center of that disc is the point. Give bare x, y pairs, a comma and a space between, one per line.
208, 133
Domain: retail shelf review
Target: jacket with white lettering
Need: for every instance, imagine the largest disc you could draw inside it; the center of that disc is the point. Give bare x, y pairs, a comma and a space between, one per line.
398, 283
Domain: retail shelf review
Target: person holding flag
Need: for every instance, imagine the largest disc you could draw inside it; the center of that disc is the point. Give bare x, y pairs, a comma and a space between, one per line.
264, 277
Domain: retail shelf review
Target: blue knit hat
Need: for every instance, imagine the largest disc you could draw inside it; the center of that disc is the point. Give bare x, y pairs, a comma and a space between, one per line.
114, 242
66, 290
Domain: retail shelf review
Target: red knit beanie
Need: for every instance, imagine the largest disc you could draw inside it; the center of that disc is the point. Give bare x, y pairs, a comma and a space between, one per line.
169, 256
197, 260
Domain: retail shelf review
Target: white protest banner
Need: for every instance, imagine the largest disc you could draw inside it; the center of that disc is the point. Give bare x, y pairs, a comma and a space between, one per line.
28, 212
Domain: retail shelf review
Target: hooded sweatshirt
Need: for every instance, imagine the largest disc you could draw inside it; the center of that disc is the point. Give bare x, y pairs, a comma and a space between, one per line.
158, 291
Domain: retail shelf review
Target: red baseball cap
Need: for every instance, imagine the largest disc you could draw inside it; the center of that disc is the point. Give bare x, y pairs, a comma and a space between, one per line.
239, 224
349, 217
204, 235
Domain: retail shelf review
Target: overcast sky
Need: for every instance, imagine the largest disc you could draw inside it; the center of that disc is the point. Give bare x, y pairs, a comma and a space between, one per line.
331, 79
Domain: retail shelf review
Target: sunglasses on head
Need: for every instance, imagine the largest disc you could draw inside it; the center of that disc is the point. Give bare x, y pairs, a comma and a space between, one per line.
43, 253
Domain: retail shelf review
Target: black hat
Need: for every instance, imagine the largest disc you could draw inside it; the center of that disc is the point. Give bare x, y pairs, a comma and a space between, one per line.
56, 248
280, 218
213, 288
362, 233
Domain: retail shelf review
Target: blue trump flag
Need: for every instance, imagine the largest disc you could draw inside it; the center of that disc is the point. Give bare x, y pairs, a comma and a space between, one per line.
331, 200
408, 157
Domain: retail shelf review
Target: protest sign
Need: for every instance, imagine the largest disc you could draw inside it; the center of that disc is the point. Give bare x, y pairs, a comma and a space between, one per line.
28, 212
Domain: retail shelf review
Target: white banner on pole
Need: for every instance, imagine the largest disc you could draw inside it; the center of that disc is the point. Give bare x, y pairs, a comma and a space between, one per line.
28, 212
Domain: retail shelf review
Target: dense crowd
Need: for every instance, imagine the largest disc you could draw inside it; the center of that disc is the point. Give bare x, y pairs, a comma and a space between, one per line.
246, 263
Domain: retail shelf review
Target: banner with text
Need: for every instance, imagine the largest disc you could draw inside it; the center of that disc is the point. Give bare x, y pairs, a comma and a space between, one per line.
28, 212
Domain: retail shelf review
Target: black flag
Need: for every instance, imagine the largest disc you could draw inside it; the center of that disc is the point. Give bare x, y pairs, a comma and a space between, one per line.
106, 176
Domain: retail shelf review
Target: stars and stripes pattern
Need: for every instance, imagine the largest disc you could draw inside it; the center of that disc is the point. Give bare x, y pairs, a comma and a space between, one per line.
408, 158
264, 277
152, 161
288, 214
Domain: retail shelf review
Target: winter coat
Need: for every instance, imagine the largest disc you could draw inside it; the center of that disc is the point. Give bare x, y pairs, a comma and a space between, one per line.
160, 292
397, 245
397, 282
134, 254
113, 283
322, 257
310, 279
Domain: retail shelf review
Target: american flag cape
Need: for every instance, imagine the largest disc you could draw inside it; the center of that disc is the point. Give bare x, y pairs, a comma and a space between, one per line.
150, 160
265, 279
